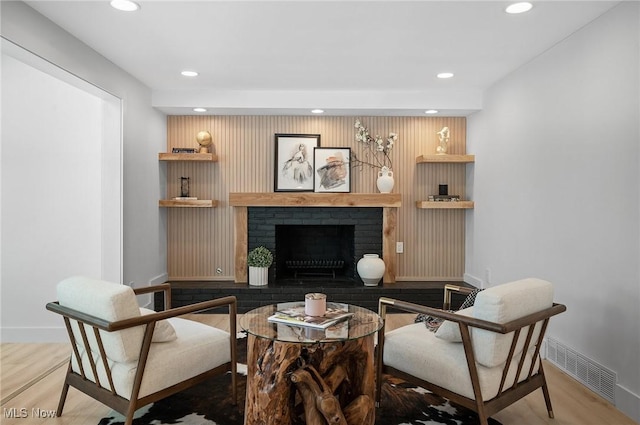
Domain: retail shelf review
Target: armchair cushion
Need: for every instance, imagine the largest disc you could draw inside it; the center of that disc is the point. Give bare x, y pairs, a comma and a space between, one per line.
450, 331
163, 332
441, 362
108, 301
206, 347
433, 323
501, 304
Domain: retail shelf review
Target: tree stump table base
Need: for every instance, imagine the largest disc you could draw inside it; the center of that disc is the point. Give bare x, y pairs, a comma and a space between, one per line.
317, 384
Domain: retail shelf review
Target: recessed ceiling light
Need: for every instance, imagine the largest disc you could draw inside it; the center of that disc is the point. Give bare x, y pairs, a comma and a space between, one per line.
431, 111
317, 111
125, 5
445, 75
199, 110
189, 73
521, 7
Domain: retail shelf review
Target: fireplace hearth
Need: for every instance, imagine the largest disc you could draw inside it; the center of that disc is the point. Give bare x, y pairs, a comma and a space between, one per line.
352, 292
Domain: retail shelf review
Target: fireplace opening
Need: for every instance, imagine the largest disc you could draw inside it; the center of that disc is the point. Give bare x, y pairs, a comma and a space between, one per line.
314, 251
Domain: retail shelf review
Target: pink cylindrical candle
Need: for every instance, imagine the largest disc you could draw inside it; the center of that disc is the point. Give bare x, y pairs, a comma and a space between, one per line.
315, 304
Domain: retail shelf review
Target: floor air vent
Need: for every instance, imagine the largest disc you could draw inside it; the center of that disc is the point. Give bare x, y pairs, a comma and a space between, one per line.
593, 375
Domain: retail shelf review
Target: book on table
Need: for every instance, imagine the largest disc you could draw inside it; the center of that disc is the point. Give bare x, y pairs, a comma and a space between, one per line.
296, 316
295, 333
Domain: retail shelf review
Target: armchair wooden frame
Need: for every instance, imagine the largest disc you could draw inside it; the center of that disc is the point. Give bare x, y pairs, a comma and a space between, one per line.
109, 396
508, 393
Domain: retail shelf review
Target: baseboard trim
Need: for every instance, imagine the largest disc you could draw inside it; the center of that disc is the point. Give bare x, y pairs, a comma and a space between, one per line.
161, 278
429, 279
146, 300
628, 402
472, 280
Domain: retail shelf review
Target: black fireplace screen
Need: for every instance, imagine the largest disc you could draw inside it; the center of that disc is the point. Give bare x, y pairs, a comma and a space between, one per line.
315, 250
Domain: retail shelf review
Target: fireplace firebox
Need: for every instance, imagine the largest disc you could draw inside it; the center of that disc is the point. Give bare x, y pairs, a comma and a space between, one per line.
315, 243
314, 250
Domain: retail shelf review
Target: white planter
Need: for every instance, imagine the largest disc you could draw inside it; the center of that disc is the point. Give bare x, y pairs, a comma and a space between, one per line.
385, 180
370, 269
258, 276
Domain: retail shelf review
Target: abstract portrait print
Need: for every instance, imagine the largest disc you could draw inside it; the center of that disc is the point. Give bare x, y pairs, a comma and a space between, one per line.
332, 170
294, 162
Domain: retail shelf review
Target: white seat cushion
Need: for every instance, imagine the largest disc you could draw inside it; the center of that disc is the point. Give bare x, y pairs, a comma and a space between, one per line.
415, 350
197, 349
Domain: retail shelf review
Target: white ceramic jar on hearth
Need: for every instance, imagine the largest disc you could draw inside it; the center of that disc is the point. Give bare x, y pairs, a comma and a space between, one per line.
370, 269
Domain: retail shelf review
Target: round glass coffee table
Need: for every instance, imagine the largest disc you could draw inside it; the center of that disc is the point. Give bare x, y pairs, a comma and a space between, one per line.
324, 373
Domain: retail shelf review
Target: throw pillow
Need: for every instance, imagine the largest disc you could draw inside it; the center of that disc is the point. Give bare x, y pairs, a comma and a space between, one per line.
470, 300
433, 323
450, 331
163, 332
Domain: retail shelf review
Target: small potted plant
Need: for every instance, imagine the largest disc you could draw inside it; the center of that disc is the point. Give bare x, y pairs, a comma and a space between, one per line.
259, 260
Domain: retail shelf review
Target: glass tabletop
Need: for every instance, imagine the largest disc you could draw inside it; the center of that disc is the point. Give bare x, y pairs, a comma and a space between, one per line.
361, 323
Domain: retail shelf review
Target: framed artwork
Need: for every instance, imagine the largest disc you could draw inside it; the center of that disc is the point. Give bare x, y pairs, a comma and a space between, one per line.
332, 173
294, 162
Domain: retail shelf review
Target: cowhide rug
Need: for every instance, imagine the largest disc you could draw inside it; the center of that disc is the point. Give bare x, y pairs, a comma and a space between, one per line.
210, 404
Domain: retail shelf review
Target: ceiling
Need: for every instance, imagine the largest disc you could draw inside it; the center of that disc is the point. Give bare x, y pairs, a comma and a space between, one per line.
346, 57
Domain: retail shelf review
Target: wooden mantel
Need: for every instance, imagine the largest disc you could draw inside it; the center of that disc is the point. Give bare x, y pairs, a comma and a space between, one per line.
310, 199
389, 202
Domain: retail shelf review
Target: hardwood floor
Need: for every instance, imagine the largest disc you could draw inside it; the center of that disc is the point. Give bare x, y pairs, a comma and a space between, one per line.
31, 378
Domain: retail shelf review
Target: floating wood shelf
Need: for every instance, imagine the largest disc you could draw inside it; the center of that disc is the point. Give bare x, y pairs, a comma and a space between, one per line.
444, 205
203, 157
445, 159
188, 203
310, 199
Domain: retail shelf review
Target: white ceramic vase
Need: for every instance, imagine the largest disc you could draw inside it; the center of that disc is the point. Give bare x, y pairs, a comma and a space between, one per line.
385, 180
258, 276
370, 269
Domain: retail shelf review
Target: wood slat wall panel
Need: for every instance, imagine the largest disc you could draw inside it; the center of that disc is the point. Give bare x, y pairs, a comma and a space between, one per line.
199, 240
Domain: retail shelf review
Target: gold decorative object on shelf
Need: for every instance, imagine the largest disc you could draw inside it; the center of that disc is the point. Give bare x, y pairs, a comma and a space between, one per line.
204, 140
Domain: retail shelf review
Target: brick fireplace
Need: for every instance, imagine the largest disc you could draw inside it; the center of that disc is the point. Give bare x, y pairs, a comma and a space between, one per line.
308, 242
380, 209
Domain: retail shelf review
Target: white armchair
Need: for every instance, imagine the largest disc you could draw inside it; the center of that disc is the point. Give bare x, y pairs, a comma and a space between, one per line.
126, 357
484, 357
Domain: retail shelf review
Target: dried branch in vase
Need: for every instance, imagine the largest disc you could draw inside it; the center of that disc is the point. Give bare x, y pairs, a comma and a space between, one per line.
377, 151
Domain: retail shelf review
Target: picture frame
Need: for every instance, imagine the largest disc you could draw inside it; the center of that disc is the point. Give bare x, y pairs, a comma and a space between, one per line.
332, 172
294, 164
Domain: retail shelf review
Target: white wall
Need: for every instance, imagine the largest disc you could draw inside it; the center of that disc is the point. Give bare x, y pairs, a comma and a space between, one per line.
556, 188
144, 135
61, 192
